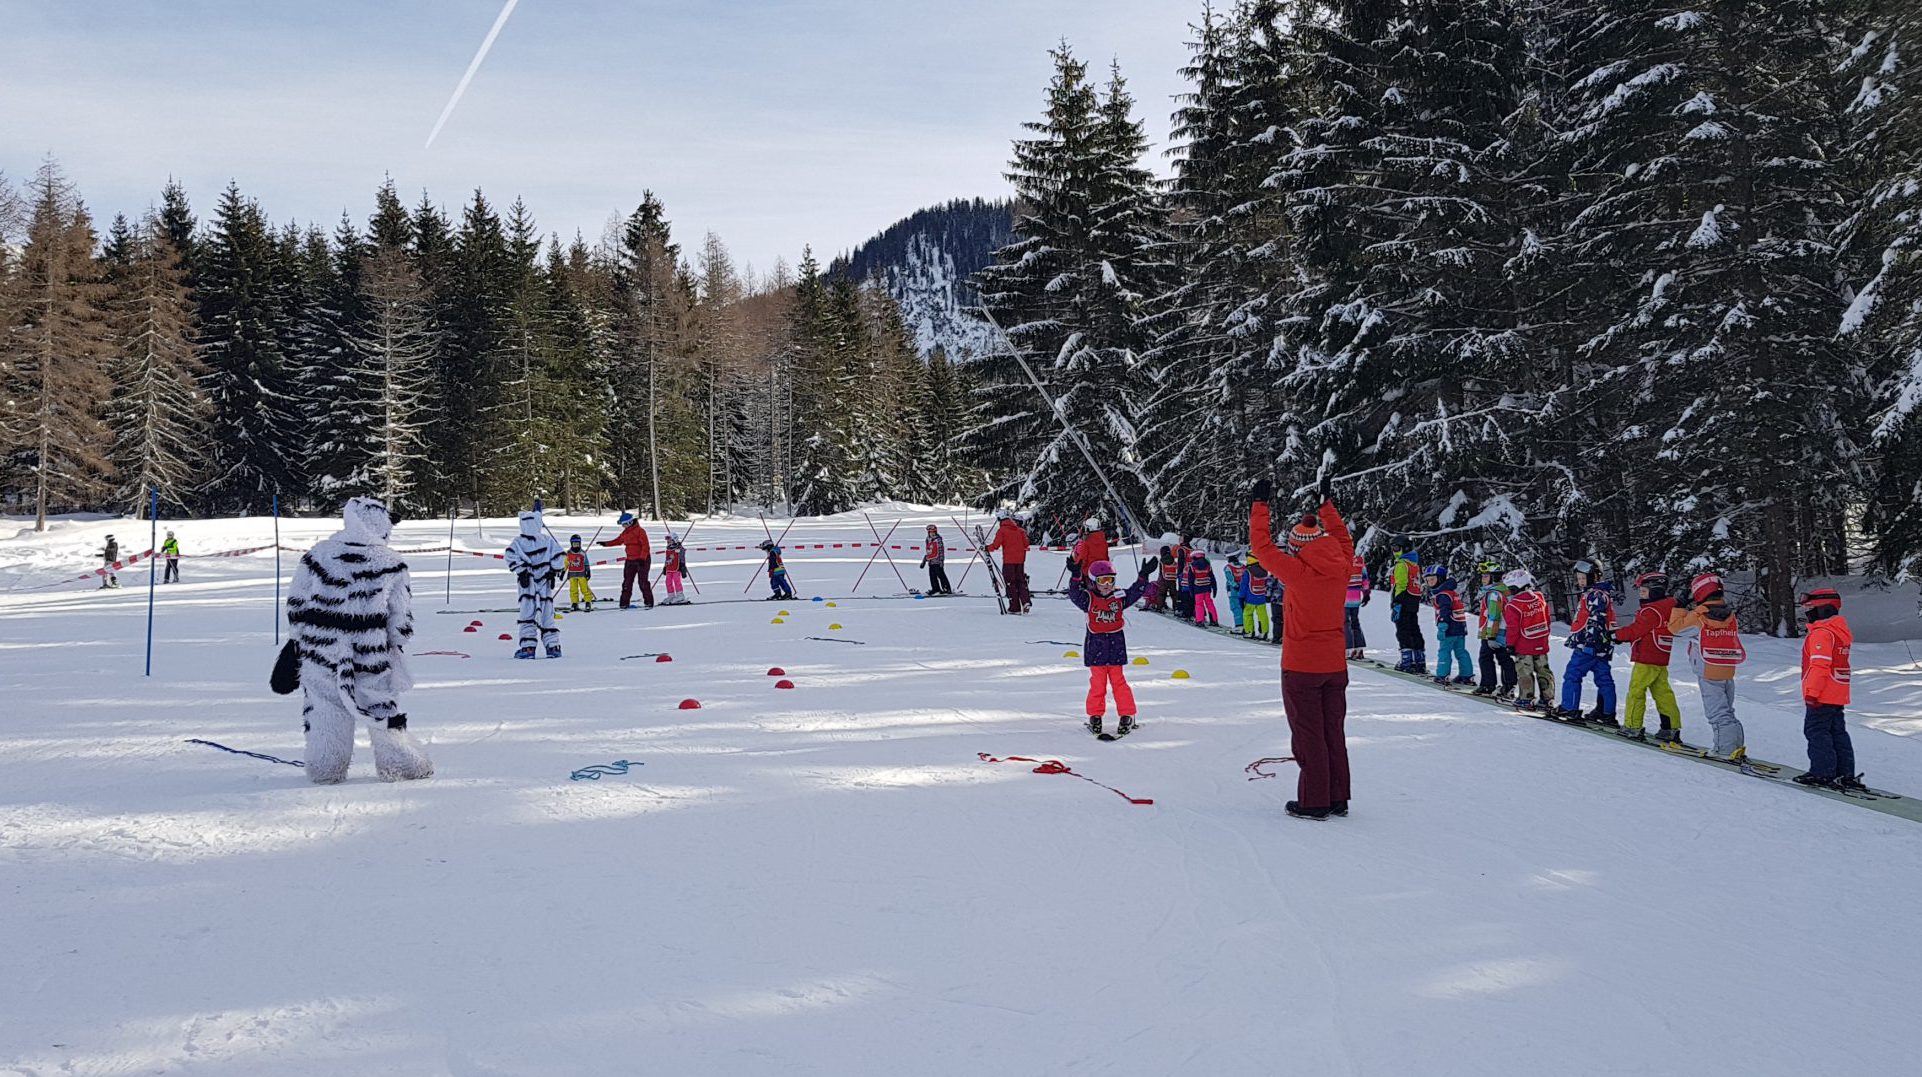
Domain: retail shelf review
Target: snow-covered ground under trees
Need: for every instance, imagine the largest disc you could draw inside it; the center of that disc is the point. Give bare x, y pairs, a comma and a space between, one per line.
829, 880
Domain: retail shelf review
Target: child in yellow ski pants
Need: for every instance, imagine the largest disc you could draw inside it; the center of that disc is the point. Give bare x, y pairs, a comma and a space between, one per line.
1645, 680
578, 591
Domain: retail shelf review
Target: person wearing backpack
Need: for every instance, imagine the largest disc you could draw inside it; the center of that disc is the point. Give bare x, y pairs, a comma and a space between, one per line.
1714, 651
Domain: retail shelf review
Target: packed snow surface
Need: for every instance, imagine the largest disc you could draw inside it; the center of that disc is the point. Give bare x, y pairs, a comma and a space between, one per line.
829, 880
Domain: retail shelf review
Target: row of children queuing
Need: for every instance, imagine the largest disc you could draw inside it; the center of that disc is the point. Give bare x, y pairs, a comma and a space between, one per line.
1512, 623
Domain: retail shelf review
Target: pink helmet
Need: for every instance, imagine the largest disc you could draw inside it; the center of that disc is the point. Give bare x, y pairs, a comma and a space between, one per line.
1100, 569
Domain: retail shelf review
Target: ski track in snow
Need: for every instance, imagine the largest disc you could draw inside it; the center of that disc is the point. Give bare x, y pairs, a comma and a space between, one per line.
828, 881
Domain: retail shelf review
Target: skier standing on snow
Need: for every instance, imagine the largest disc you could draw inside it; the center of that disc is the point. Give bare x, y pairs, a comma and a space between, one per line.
1236, 573
1825, 692
1590, 638
351, 613
1168, 574
1256, 585
1526, 618
1202, 587
539, 565
110, 558
673, 570
935, 560
1358, 587
171, 550
638, 557
1091, 547
1714, 651
1404, 607
777, 572
1314, 668
1451, 628
1104, 649
579, 590
1184, 594
1012, 540
1491, 626
1648, 660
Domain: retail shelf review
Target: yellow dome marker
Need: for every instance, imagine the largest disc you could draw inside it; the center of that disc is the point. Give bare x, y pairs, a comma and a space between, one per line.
1178, 675
834, 626
1141, 661
831, 605
1071, 654
784, 613
777, 621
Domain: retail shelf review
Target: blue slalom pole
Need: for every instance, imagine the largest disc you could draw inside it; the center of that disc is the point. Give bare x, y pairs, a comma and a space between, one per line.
276, 568
153, 562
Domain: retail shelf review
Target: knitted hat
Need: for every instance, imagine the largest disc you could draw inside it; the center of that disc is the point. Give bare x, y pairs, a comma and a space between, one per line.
1305, 532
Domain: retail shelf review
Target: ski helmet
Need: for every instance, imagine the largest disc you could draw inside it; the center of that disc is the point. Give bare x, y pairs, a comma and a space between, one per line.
1399, 542
1589, 568
933, 529
1001, 514
1092, 523
1823, 598
1519, 578
626, 518
1654, 581
766, 544
1437, 572
1489, 568
573, 540
1705, 586
1100, 569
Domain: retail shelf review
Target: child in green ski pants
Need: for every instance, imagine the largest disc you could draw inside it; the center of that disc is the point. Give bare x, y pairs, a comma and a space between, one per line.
1255, 587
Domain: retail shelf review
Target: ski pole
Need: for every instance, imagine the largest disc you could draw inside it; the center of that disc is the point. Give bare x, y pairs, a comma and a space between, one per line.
880, 547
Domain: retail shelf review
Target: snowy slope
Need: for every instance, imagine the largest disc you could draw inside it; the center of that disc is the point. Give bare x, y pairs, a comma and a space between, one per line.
925, 261
830, 881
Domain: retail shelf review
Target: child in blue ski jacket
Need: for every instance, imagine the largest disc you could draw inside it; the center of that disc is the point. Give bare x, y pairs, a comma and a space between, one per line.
1451, 628
777, 572
1256, 588
1236, 573
1591, 636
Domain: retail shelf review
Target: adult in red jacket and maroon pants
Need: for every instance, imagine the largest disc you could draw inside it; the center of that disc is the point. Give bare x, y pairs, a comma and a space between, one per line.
636, 562
1314, 573
1012, 540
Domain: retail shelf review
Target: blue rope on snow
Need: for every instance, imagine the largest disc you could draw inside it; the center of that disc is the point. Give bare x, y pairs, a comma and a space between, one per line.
255, 755
594, 773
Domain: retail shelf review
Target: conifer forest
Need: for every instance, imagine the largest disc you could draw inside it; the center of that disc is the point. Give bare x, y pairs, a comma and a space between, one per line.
1535, 277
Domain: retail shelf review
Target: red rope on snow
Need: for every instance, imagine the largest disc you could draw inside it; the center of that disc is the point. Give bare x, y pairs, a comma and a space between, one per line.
1056, 766
1254, 768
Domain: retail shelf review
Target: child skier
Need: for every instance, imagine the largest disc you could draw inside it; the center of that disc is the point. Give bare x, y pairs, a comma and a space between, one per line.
935, 560
1525, 617
777, 572
1168, 578
1357, 598
1648, 660
578, 573
1184, 593
110, 560
1255, 585
1404, 604
1589, 636
171, 550
1202, 588
1092, 546
1105, 648
1451, 628
1714, 650
1492, 629
1237, 572
1825, 692
673, 570
538, 565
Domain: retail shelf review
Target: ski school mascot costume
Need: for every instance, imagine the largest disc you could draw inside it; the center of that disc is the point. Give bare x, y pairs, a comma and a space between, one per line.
351, 614
539, 564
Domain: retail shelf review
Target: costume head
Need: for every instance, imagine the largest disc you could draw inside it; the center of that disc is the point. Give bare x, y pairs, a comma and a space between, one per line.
365, 519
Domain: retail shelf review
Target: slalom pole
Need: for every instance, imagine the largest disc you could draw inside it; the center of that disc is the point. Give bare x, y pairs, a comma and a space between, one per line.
153, 544
449, 595
776, 541
881, 549
1074, 435
968, 538
276, 568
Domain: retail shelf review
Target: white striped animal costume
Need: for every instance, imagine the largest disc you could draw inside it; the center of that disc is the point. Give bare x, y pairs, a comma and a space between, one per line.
539, 564
351, 612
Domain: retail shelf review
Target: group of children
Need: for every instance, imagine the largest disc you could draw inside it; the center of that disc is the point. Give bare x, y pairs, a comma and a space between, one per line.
1182, 581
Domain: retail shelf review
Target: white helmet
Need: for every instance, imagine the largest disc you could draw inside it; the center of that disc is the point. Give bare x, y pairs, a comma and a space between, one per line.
1001, 514
1092, 523
1519, 578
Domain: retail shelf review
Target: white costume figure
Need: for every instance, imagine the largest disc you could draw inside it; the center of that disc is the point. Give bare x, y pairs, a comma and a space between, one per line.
352, 612
539, 565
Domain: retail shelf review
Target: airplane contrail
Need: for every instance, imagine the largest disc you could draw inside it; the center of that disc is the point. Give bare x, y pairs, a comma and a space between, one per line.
473, 66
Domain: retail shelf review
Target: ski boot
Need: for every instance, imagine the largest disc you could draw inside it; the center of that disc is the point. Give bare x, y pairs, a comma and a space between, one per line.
525, 652
1126, 727
1407, 663
1339, 807
1094, 724
1601, 718
1463, 680
1504, 695
553, 650
573, 607
590, 607
1440, 682
1635, 733
1819, 783
1484, 692
1318, 814
1669, 736
1851, 783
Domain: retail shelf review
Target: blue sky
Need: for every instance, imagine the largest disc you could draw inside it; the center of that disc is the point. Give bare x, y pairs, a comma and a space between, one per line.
773, 122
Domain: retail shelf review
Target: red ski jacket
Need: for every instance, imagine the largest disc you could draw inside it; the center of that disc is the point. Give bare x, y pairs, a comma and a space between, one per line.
1314, 637
1825, 662
634, 537
1092, 547
1527, 618
1649, 633
1012, 540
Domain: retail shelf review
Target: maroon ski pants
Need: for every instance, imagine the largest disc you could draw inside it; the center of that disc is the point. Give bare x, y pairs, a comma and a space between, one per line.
631, 571
1317, 709
1016, 577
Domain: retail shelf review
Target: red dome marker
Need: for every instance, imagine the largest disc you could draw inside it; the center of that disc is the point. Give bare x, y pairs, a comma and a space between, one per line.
663, 658
505, 636
690, 704
475, 624
470, 628
783, 684
776, 671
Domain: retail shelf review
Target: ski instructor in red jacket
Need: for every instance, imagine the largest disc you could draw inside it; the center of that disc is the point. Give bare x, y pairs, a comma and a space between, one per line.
1314, 572
639, 558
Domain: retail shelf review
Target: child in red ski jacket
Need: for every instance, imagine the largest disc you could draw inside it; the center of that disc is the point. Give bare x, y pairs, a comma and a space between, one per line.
1825, 692
1104, 650
1648, 661
1526, 618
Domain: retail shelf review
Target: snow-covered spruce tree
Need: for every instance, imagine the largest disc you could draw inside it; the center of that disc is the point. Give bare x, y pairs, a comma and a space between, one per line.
720, 347
1070, 293
1207, 432
1882, 244
430, 240
579, 400
1401, 359
824, 465
390, 368
56, 340
241, 292
515, 422
159, 417
944, 407
332, 424
486, 277
892, 437
1712, 130
657, 430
